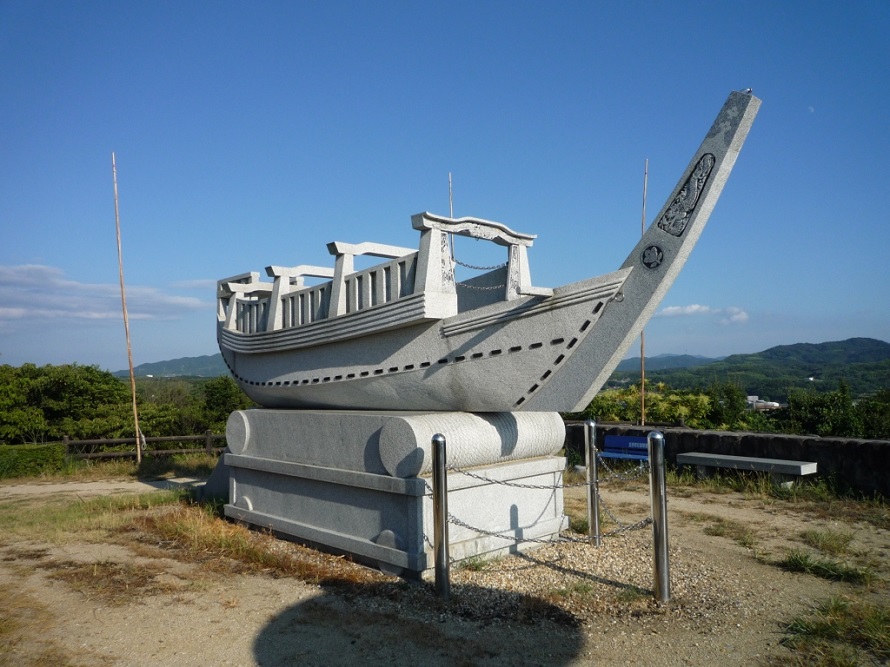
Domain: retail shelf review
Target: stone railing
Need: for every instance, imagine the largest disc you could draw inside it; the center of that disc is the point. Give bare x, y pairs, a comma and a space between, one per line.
380, 284
249, 305
305, 306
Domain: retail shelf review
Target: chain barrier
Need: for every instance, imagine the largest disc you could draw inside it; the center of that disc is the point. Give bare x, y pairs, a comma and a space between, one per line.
595, 505
509, 538
502, 482
613, 475
622, 527
642, 469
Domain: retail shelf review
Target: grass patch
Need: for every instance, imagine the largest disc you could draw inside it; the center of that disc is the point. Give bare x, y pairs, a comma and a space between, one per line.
116, 583
841, 632
684, 478
634, 595
800, 561
473, 564
832, 542
196, 532
749, 483
199, 535
58, 519
578, 588
573, 477
91, 470
579, 525
819, 497
735, 530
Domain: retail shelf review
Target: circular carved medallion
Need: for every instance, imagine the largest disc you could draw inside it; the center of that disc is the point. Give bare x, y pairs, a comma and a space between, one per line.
652, 257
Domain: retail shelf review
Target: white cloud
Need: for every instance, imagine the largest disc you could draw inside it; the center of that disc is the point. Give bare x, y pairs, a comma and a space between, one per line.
729, 315
204, 284
682, 311
34, 291
734, 316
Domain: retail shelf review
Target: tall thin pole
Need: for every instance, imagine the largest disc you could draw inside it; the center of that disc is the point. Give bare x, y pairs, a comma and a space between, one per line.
593, 492
658, 501
120, 266
450, 214
642, 332
440, 518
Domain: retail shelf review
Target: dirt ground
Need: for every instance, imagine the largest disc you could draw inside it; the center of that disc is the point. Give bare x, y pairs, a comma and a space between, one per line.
730, 605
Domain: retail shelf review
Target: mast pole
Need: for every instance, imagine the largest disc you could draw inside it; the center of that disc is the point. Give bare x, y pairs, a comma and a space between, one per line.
450, 214
642, 332
120, 266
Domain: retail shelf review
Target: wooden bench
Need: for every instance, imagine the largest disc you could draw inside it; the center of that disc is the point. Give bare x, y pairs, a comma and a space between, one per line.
630, 447
780, 470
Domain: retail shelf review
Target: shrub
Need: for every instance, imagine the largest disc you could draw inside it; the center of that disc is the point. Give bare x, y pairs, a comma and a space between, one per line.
31, 460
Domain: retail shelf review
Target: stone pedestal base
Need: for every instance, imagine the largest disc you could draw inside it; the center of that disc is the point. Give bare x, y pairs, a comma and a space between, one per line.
329, 479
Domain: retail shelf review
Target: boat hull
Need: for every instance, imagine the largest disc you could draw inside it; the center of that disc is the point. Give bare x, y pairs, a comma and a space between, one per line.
492, 359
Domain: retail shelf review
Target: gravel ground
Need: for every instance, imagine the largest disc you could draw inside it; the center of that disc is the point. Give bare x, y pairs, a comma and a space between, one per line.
564, 604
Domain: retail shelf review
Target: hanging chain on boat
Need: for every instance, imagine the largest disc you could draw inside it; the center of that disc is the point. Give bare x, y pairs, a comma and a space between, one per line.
451, 239
481, 288
479, 268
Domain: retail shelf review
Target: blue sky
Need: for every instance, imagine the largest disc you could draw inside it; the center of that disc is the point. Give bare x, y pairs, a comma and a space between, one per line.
250, 134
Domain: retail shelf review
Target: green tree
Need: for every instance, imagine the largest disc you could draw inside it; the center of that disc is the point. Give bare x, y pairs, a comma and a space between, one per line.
106, 421
171, 406
874, 413
727, 407
663, 404
677, 407
830, 413
76, 391
44, 403
222, 396
19, 420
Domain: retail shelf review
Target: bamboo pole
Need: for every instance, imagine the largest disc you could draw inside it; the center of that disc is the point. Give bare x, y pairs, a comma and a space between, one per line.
120, 266
642, 332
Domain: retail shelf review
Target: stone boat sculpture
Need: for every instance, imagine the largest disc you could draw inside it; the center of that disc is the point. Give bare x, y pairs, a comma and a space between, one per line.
403, 335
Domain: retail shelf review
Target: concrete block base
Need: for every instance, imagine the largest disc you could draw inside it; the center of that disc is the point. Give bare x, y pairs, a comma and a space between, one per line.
379, 519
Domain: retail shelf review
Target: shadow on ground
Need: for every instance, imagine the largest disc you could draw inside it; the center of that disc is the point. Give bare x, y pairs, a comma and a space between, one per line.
399, 623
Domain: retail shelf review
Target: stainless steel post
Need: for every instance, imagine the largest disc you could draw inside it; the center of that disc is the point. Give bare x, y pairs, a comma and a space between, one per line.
659, 516
593, 495
440, 518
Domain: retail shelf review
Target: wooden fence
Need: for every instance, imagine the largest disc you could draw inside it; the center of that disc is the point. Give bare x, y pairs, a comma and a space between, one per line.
86, 449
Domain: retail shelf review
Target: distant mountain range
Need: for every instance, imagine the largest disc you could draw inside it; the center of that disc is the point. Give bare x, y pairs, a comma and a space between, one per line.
210, 365
864, 363
665, 361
